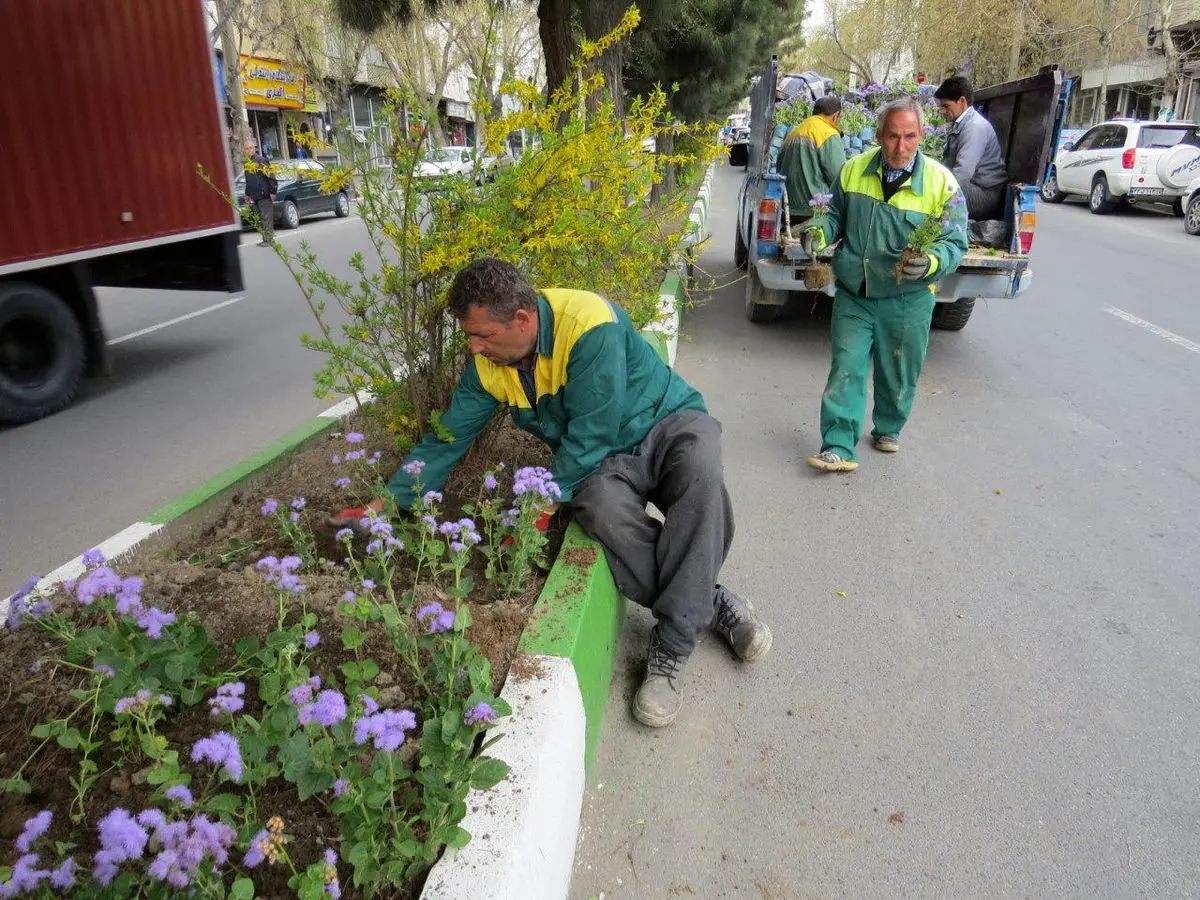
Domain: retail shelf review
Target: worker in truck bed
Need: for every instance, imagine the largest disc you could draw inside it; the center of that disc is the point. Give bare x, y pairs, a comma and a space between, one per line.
883, 306
972, 151
812, 156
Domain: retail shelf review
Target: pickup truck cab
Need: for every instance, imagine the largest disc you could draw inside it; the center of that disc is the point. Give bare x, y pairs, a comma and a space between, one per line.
1027, 115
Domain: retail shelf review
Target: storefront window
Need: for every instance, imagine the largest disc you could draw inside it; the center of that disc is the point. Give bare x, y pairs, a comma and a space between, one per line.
264, 126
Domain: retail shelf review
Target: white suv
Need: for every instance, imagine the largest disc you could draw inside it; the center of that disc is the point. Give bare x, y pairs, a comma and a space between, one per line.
1127, 160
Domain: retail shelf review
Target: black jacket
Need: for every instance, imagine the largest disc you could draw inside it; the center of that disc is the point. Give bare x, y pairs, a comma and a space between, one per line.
258, 183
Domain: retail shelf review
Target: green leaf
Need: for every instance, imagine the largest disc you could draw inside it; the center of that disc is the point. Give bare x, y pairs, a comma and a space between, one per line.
353, 638
230, 804
242, 889
269, 688
174, 671
455, 837
43, 730
451, 722
487, 773
295, 757
312, 783
370, 670
70, 739
16, 785
245, 647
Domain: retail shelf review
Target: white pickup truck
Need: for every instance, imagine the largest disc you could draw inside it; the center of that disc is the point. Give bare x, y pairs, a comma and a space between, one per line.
1027, 115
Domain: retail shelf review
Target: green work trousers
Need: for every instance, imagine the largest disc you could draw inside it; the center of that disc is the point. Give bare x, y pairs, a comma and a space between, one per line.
892, 333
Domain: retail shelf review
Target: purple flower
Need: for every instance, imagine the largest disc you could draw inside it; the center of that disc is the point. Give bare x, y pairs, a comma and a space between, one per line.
24, 876
370, 707
489, 482
62, 879
258, 846
121, 839
344, 534
101, 582
480, 714
328, 709
375, 457
137, 703
311, 640
331, 857
349, 597
355, 455
220, 749
414, 467
295, 517
153, 620
537, 480
458, 546
281, 572
435, 618
180, 794
332, 888
93, 558
432, 497
34, 828
368, 584
430, 522
342, 483
386, 729
303, 692
336, 459
354, 438
20, 605
299, 503
448, 528
228, 698
129, 597
269, 506
374, 547
340, 787
104, 670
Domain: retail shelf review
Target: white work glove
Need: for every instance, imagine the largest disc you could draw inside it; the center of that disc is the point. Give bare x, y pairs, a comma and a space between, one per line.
915, 269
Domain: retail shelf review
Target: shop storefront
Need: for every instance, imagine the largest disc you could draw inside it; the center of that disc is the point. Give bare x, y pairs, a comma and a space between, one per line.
457, 124
277, 104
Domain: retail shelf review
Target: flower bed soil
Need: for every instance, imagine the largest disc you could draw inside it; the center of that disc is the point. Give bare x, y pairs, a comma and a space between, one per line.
211, 574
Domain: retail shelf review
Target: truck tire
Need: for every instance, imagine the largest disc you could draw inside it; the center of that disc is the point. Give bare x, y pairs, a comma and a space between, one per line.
42, 353
1050, 191
741, 253
1100, 201
756, 309
953, 316
290, 216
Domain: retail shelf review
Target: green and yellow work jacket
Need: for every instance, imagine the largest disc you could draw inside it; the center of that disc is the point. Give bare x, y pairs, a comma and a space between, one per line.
595, 389
874, 232
812, 156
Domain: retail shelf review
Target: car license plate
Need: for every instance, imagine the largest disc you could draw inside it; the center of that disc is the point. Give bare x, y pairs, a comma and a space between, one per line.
1145, 192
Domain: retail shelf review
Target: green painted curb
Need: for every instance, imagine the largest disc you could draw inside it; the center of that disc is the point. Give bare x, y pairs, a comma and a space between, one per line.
578, 617
235, 473
658, 341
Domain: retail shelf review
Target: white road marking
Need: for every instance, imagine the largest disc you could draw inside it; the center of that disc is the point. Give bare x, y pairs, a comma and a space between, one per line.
175, 321
1154, 329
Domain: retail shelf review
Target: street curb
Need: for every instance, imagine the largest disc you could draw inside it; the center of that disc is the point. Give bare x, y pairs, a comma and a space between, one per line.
525, 829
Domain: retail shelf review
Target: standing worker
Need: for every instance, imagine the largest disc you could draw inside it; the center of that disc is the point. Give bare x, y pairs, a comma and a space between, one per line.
625, 430
881, 314
972, 151
812, 156
261, 188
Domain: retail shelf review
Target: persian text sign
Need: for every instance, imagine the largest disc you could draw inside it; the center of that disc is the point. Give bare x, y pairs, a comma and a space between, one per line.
272, 82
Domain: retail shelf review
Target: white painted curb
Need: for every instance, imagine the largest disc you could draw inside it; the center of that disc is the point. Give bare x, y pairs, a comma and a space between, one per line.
523, 831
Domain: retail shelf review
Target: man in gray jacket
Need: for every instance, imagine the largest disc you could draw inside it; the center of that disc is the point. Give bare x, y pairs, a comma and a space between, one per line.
972, 151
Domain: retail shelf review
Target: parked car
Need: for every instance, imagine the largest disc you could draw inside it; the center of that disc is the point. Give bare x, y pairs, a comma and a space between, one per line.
299, 193
460, 161
1191, 207
1126, 160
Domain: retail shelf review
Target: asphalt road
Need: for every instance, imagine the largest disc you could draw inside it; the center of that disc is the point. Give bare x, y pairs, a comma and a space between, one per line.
186, 399
984, 678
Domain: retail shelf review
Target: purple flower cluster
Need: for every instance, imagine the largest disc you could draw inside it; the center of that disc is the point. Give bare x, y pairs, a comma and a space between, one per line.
489, 482
181, 795
383, 539
479, 714
179, 848
435, 618
462, 534
26, 876
355, 438
414, 467
327, 709
332, 887
154, 620
228, 698
302, 693
281, 573
35, 827
386, 729
220, 749
343, 483
536, 480
311, 640
431, 498
93, 558
340, 787
269, 506
140, 702
102, 582
22, 604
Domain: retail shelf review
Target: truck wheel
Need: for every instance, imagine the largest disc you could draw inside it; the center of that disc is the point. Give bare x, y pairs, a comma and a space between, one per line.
953, 316
42, 353
741, 253
756, 309
1050, 191
1100, 201
290, 217
341, 207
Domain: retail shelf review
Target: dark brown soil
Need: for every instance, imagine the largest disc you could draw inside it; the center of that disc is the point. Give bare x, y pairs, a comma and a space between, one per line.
210, 574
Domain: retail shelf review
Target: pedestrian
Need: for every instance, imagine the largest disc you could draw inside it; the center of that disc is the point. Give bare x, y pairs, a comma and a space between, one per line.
812, 156
972, 151
625, 429
261, 187
881, 316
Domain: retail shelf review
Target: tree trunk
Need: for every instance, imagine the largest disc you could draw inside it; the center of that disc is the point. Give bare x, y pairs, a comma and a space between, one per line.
1100, 113
599, 18
554, 28
1014, 58
664, 145
233, 82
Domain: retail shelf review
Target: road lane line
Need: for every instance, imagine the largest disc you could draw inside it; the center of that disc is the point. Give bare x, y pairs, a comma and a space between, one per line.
175, 321
1154, 329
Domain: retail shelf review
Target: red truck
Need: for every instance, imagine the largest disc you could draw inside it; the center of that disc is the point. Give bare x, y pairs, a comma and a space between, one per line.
107, 108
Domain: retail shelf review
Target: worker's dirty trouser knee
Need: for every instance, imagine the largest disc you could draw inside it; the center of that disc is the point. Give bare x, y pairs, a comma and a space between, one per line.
892, 333
669, 567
